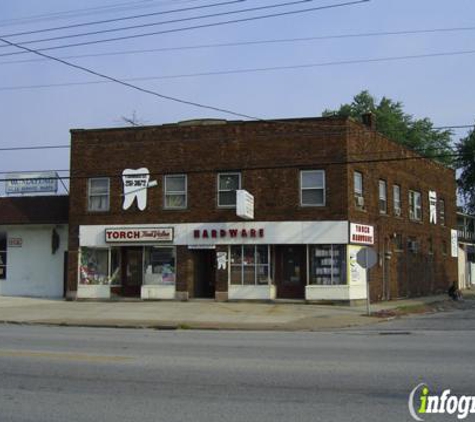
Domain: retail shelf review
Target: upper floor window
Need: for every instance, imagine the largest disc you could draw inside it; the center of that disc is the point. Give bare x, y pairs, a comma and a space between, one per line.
98, 194
383, 197
398, 242
312, 187
358, 189
228, 184
442, 211
397, 200
3, 255
175, 187
415, 205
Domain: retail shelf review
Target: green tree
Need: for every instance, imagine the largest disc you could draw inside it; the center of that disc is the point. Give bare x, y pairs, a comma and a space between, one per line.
466, 165
393, 122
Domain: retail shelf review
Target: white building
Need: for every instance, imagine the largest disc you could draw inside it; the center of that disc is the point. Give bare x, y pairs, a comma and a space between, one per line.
33, 245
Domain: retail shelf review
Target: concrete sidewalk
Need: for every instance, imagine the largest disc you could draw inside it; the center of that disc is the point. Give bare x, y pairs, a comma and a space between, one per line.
203, 314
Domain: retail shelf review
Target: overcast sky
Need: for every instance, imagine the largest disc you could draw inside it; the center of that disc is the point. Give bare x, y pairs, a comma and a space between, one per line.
41, 100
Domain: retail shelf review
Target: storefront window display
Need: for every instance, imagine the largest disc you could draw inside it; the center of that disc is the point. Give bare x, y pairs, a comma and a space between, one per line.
327, 264
94, 268
3, 255
250, 264
160, 266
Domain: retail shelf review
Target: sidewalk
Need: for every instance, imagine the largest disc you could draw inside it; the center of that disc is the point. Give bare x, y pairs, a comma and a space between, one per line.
203, 314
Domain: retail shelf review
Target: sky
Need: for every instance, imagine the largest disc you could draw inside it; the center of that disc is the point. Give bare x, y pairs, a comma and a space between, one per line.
292, 65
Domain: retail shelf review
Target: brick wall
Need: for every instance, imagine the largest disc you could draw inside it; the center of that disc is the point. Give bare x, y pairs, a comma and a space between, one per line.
405, 273
269, 156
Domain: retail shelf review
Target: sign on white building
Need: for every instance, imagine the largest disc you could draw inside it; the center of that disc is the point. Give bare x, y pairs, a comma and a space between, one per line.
139, 235
31, 182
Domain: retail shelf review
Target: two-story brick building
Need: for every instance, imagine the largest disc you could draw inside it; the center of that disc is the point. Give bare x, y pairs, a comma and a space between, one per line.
153, 212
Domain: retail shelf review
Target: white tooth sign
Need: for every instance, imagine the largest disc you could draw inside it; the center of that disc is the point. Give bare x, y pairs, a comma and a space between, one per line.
136, 182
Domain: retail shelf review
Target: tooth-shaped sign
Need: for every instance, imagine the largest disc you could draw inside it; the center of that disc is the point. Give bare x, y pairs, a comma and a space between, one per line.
136, 182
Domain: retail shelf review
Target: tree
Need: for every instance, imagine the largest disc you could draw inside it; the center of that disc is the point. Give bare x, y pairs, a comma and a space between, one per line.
393, 122
466, 164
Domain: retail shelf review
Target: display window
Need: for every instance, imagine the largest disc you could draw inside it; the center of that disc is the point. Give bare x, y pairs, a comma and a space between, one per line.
250, 264
94, 266
160, 265
327, 265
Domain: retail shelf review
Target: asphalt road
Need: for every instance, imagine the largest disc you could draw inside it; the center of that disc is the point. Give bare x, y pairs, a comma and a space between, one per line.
50, 374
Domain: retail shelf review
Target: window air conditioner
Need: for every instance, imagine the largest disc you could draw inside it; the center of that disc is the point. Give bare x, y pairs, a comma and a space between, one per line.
397, 212
360, 201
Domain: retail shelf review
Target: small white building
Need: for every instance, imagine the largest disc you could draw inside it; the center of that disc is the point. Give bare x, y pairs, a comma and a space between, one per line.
33, 246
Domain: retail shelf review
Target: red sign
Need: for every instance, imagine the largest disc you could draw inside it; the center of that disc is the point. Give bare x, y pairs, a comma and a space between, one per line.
361, 234
229, 233
139, 235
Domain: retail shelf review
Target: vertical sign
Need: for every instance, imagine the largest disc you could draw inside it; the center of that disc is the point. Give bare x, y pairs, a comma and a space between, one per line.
454, 243
432, 207
244, 204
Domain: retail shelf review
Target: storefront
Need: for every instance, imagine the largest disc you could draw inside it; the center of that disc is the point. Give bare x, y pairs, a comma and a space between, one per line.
234, 261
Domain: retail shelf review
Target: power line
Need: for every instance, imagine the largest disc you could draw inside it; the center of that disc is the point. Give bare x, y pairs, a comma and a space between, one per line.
36, 147
244, 168
78, 25
88, 11
250, 70
129, 85
255, 42
202, 26
147, 91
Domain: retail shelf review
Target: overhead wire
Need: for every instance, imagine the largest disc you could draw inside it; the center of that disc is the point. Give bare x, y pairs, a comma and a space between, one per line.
189, 28
253, 42
248, 70
129, 85
311, 134
89, 11
148, 91
79, 25
299, 165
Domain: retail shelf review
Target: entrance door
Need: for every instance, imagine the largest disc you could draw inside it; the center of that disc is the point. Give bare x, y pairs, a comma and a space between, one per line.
291, 272
205, 273
132, 271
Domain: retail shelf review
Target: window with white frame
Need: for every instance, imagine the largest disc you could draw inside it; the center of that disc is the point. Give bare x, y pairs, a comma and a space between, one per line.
383, 196
3, 255
327, 264
312, 187
442, 212
175, 187
250, 265
358, 189
228, 184
397, 200
415, 205
98, 194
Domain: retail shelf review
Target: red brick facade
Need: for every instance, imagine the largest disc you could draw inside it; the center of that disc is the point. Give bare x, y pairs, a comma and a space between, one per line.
270, 157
